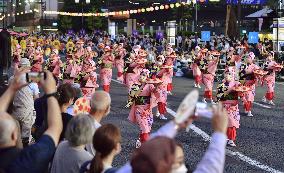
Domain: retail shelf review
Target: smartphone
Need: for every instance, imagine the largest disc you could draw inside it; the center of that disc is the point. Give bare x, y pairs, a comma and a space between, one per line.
34, 77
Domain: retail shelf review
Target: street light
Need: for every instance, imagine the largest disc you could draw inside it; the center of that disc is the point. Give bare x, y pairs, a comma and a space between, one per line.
87, 2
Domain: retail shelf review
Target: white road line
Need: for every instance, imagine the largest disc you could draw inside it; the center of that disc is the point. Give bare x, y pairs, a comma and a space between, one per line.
231, 153
262, 105
280, 83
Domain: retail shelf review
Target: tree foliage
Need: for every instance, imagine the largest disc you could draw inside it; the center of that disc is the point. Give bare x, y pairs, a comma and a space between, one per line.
89, 23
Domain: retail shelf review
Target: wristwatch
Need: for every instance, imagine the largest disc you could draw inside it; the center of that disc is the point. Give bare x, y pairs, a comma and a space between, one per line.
50, 95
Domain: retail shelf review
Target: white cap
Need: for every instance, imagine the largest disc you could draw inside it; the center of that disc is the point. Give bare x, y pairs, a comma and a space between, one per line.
25, 62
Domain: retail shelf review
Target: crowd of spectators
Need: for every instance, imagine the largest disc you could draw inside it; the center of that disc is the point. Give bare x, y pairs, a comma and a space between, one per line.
64, 142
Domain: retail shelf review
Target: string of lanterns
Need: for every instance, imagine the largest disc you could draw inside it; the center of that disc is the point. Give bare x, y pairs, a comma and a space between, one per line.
119, 13
19, 13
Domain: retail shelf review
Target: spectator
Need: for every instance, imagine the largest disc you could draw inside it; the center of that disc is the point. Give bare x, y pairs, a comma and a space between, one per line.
158, 154
100, 108
71, 154
34, 158
65, 96
23, 106
106, 142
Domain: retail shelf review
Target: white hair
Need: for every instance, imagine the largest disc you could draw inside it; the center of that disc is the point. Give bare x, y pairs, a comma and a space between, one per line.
100, 101
79, 130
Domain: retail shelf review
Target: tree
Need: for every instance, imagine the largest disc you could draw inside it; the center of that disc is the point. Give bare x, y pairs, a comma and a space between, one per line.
94, 22
273, 4
65, 23
90, 23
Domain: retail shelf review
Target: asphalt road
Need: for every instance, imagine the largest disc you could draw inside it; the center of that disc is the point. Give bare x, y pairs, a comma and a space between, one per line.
259, 139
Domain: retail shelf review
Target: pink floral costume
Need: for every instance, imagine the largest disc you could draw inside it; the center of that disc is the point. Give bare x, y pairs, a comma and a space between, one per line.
269, 79
89, 77
106, 71
229, 97
247, 78
119, 63
208, 78
231, 66
37, 62
17, 57
163, 74
132, 73
169, 76
196, 70
53, 65
141, 107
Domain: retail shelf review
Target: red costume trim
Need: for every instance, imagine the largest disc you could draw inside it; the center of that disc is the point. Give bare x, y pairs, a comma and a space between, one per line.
208, 94
144, 137
232, 133
106, 88
197, 79
162, 108
169, 87
269, 95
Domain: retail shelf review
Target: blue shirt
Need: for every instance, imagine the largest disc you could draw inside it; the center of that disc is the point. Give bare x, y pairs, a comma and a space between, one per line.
35, 158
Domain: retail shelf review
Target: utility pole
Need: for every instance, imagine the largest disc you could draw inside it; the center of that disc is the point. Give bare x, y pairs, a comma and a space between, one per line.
3, 13
239, 18
196, 17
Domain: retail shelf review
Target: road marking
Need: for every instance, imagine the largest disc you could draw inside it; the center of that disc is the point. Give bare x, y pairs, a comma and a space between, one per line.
262, 105
280, 83
229, 152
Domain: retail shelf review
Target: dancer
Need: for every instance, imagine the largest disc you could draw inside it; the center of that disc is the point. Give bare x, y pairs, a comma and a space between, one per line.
195, 67
163, 74
169, 61
248, 78
208, 75
141, 97
120, 52
106, 64
271, 67
229, 97
88, 74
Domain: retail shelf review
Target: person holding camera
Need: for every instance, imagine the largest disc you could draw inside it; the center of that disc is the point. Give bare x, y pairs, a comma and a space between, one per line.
34, 158
23, 105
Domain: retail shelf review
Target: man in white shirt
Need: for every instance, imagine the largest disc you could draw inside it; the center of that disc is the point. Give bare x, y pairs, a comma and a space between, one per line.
23, 106
100, 108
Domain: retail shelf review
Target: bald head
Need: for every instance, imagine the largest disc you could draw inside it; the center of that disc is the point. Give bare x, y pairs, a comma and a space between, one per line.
8, 130
100, 101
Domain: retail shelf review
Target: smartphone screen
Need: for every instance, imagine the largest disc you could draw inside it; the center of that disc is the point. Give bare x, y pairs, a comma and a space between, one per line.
34, 77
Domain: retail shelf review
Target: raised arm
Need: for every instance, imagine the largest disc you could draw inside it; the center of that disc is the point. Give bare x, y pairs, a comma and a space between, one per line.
214, 159
54, 119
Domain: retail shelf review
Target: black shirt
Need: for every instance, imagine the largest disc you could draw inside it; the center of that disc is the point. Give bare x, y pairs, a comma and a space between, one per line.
65, 119
32, 159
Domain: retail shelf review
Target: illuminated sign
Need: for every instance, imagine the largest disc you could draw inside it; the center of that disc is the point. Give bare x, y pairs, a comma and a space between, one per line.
250, 2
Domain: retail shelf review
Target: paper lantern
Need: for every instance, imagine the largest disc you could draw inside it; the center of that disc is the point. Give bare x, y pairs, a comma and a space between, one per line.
172, 5
167, 7
157, 8
178, 5
162, 7
143, 10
